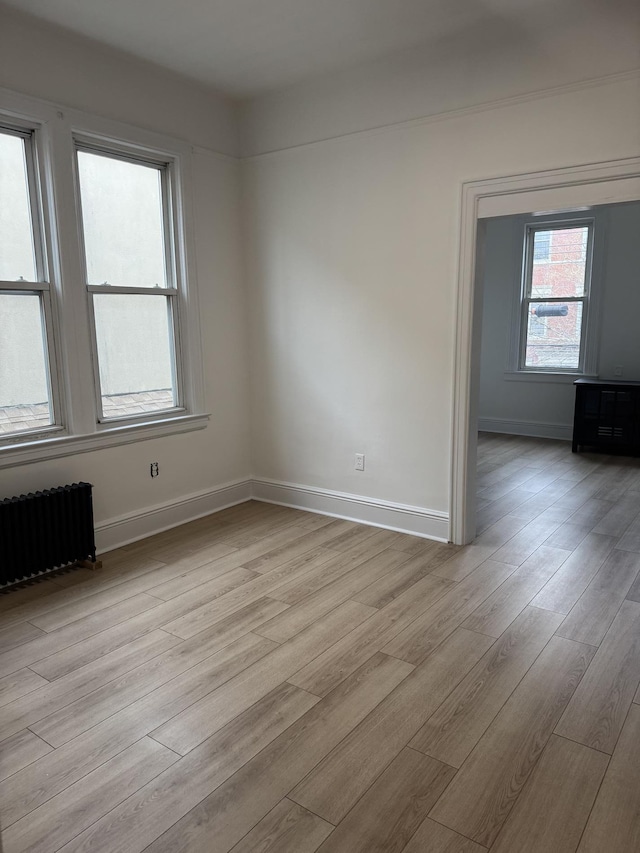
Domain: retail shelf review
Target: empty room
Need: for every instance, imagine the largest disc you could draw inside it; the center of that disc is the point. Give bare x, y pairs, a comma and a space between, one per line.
319, 426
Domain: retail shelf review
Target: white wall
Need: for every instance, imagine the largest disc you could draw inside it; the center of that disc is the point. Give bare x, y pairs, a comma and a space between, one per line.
71, 73
353, 248
546, 407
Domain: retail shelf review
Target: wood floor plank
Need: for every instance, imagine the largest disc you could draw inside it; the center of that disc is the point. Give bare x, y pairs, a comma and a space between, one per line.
416, 641
17, 634
620, 516
498, 611
634, 591
432, 837
20, 750
229, 812
568, 536
562, 788
614, 825
481, 796
326, 671
221, 633
589, 619
316, 538
18, 684
299, 616
338, 782
381, 592
598, 709
393, 808
523, 544
191, 657
340, 563
76, 632
64, 816
145, 815
205, 717
54, 696
457, 725
233, 559
288, 828
630, 541
46, 596
488, 515
562, 591
467, 559
194, 620
50, 775
591, 513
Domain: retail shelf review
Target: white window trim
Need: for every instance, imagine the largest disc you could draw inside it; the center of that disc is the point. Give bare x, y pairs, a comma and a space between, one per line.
72, 373
591, 319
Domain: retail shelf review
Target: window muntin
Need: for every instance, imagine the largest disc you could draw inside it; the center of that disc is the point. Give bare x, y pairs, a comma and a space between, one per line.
556, 284
127, 232
26, 347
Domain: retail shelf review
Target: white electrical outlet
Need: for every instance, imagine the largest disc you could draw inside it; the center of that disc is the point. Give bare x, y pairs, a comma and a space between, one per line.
359, 461
617, 370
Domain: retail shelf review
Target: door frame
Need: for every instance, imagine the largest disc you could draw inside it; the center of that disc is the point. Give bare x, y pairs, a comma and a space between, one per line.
608, 182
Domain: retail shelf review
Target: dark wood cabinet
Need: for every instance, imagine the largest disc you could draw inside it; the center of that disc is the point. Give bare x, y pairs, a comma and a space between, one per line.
607, 416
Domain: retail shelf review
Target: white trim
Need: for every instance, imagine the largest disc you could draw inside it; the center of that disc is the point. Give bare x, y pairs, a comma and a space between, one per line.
124, 529
418, 521
536, 429
465, 390
119, 531
55, 448
550, 378
447, 115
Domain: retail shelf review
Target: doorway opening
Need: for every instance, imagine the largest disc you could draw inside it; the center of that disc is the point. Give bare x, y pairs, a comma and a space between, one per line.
551, 193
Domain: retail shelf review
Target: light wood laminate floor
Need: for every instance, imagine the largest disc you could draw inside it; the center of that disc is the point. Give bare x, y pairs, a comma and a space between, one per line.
267, 679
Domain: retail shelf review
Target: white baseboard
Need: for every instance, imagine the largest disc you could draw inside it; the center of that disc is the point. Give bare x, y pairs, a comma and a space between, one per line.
119, 531
429, 524
124, 529
535, 429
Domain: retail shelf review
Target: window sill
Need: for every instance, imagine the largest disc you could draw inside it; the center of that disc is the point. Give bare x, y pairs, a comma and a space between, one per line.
541, 376
54, 448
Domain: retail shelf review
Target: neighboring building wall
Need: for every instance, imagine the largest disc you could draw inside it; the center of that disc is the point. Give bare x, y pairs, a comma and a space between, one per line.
542, 406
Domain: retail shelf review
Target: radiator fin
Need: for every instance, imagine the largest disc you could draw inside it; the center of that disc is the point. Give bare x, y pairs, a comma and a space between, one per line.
47, 530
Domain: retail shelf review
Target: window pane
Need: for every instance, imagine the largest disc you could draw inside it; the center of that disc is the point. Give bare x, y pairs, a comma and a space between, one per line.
122, 218
559, 262
17, 261
135, 353
24, 393
553, 335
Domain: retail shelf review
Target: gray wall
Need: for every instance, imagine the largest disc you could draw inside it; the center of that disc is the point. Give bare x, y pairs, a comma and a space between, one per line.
546, 407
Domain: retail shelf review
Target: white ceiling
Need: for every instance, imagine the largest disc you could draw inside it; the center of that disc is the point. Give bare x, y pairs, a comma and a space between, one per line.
247, 47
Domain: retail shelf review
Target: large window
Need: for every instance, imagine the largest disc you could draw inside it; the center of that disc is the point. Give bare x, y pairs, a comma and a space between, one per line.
26, 339
130, 277
99, 327
555, 296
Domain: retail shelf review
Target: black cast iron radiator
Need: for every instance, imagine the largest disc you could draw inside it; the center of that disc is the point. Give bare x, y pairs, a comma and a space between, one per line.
45, 530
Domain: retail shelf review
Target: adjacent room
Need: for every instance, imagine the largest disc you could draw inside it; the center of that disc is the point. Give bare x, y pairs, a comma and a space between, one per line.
296, 553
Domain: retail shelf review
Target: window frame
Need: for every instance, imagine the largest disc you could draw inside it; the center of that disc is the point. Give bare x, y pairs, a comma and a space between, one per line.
172, 290
44, 285
75, 394
589, 333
